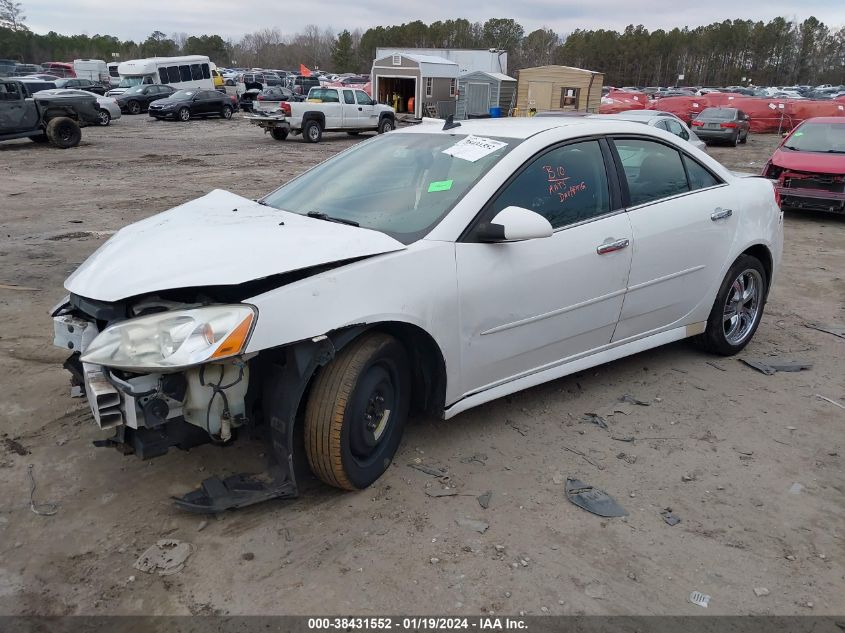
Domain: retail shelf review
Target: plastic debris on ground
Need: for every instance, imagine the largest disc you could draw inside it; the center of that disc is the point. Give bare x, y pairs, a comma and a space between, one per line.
773, 366
594, 418
167, 556
669, 517
473, 524
831, 401
632, 400
592, 499
484, 499
701, 599
831, 328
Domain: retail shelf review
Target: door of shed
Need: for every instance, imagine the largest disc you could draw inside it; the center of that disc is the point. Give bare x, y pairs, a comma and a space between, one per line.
540, 95
478, 98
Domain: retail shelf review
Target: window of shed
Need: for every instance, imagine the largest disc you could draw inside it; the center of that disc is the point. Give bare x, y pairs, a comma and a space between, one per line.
452, 87
569, 97
429, 86
397, 60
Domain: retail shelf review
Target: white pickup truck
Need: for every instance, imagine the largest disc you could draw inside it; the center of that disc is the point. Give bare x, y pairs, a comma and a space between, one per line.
325, 110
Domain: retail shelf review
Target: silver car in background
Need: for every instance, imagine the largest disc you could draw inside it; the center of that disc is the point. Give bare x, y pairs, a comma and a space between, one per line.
107, 107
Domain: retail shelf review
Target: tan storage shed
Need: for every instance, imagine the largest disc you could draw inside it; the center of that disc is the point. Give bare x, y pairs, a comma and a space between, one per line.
544, 88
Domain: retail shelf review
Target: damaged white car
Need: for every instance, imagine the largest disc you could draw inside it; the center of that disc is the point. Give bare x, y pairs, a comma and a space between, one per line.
436, 268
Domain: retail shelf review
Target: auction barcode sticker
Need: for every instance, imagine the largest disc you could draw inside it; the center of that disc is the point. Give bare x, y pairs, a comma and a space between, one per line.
474, 147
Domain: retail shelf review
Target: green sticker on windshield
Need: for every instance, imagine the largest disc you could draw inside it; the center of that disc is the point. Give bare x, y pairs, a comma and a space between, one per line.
798, 134
440, 185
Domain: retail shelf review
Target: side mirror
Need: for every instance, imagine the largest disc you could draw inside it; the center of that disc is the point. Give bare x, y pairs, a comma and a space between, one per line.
515, 224
374, 102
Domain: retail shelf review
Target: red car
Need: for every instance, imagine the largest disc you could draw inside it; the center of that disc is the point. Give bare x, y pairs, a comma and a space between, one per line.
809, 166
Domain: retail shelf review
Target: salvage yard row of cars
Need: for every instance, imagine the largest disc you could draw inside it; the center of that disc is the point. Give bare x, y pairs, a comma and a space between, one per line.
508, 253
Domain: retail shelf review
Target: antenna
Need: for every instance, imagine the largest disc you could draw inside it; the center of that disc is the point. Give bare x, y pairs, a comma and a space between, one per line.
450, 123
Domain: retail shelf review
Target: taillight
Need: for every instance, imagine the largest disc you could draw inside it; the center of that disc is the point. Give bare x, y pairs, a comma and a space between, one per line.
729, 124
285, 108
260, 98
697, 123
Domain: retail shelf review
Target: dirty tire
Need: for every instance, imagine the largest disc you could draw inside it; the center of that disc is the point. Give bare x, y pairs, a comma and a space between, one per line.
369, 377
184, 114
744, 139
735, 140
40, 138
312, 132
715, 339
226, 112
134, 107
386, 125
104, 117
279, 133
63, 132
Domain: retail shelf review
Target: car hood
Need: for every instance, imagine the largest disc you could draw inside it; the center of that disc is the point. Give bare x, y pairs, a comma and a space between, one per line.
809, 161
219, 239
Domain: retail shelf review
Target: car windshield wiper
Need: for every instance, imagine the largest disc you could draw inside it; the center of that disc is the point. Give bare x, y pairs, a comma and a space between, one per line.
324, 216
794, 149
835, 151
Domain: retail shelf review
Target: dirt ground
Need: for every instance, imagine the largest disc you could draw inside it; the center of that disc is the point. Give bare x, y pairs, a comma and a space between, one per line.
752, 464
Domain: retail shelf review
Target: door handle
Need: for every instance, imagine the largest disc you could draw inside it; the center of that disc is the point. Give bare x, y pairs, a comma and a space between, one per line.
721, 214
612, 246
360, 109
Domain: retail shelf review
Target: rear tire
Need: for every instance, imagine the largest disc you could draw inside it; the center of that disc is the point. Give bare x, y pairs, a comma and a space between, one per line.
735, 140
312, 131
744, 139
226, 112
279, 133
738, 308
356, 412
63, 132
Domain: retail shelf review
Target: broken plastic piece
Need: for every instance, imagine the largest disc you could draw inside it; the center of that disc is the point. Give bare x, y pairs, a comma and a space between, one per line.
701, 599
595, 418
632, 400
769, 368
669, 517
216, 495
592, 499
834, 328
168, 556
484, 499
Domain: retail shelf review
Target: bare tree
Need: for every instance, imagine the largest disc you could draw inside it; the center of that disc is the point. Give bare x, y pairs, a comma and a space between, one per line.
11, 15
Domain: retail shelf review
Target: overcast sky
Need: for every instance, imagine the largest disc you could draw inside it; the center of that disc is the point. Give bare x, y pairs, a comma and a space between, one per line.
136, 20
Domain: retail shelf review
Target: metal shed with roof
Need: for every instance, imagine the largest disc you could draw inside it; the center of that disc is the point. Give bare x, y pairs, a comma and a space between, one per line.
416, 84
480, 91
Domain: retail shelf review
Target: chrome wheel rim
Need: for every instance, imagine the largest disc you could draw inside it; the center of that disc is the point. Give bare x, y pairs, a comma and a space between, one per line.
742, 306
104, 117
184, 114
313, 132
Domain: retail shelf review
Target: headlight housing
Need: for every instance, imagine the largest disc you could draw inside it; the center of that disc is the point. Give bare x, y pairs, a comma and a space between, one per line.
173, 339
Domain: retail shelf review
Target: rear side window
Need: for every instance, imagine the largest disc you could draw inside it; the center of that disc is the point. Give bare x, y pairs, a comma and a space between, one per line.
653, 170
173, 74
206, 72
162, 75
565, 185
348, 96
196, 72
9, 92
185, 72
699, 177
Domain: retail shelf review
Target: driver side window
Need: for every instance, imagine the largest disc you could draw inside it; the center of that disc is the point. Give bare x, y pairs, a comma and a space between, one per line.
565, 185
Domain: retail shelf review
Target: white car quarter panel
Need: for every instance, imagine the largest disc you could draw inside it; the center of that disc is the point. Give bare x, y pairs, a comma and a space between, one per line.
415, 286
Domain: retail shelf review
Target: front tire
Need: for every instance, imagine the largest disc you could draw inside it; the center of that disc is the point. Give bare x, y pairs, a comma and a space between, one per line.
386, 125
356, 412
738, 308
313, 131
105, 117
184, 114
63, 132
134, 107
226, 112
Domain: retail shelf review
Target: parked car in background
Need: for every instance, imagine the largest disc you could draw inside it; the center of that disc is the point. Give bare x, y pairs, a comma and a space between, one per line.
809, 166
230, 77
217, 77
107, 108
7, 67
61, 69
723, 125
138, 99
22, 70
278, 93
41, 77
36, 85
663, 121
184, 105
272, 79
81, 84
301, 84
43, 117
94, 69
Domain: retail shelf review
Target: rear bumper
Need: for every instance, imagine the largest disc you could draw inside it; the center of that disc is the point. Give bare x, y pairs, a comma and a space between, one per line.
716, 135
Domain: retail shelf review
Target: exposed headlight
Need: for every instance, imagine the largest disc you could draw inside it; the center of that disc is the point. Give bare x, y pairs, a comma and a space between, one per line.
170, 340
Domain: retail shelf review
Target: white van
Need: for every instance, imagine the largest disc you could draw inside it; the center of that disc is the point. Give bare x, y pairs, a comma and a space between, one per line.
187, 71
93, 69
114, 76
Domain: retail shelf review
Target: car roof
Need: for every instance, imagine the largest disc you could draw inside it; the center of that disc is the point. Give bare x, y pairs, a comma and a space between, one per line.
517, 127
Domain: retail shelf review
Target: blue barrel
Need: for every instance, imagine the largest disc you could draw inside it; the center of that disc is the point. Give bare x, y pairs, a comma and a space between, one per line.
495, 113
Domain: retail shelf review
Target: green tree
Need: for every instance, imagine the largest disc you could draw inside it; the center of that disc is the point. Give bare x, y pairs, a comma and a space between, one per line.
343, 55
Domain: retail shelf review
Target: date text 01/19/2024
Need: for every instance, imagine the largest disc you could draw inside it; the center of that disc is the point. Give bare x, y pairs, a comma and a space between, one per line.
422, 623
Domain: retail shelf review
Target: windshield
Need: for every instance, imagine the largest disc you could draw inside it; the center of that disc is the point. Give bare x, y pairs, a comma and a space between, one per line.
183, 94
400, 184
128, 82
136, 90
818, 137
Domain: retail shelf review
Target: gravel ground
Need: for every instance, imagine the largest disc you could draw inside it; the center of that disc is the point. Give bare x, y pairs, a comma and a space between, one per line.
752, 464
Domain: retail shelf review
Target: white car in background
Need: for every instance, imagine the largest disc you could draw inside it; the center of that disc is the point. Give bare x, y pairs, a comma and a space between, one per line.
437, 267
107, 107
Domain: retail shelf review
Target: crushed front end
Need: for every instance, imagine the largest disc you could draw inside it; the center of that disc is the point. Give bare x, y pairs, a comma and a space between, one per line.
812, 191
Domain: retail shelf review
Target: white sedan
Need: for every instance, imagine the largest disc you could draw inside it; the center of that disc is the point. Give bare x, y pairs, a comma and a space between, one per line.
106, 106
437, 268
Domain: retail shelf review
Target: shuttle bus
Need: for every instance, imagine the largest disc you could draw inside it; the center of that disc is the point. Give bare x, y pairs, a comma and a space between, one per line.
187, 71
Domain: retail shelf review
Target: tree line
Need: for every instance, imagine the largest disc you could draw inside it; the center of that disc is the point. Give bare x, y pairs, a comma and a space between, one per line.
778, 52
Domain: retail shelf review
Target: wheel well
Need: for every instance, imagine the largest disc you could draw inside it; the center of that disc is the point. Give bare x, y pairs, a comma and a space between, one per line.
385, 115
318, 116
762, 253
55, 113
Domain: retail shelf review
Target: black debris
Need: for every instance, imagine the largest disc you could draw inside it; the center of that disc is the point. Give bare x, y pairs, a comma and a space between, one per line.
770, 367
592, 499
669, 517
632, 400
